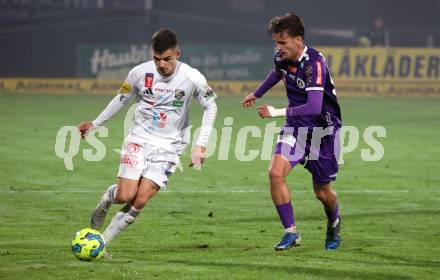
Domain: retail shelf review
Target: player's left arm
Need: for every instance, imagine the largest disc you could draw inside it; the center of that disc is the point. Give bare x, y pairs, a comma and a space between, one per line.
315, 79
206, 96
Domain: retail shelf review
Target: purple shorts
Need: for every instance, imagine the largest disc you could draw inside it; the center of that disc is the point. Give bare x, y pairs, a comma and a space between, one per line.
315, 148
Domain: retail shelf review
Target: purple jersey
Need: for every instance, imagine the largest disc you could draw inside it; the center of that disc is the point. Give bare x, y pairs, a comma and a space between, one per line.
311, 74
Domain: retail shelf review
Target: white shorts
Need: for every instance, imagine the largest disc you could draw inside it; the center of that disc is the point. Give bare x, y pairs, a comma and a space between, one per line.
148, 161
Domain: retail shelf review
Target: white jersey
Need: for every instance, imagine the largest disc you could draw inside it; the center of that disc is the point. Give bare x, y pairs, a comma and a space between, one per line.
162, 103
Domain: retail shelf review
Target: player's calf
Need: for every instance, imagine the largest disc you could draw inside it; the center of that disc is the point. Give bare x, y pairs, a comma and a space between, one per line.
119, 223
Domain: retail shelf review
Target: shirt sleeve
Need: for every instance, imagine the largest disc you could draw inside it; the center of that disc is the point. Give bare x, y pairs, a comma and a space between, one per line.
206, 96
123, 96
312, 107
315, 74
272, 79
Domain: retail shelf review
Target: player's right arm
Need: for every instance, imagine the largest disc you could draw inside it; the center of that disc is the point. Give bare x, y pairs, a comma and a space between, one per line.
124, 95
272, 79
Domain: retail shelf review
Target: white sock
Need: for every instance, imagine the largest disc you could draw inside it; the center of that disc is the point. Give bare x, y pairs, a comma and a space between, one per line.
111, 194
119, 223
291, 229
335, 223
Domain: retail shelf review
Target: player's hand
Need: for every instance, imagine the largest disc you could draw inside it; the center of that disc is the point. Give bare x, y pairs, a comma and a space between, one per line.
84, 127
197, 157
248, 101
268, 111
264, 111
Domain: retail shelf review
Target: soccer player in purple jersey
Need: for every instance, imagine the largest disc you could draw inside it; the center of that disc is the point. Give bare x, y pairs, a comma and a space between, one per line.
310, 135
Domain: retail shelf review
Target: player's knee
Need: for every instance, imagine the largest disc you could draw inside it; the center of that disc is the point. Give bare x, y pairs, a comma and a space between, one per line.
276, 175
325, 194
321, 195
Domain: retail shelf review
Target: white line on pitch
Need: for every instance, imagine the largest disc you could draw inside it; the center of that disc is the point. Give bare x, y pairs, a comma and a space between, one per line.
207, 191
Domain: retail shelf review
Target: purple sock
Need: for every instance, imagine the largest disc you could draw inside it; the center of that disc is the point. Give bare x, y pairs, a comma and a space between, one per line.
332, 215
285, 211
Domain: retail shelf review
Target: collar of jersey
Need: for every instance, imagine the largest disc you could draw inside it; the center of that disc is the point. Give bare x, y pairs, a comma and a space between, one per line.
303, 54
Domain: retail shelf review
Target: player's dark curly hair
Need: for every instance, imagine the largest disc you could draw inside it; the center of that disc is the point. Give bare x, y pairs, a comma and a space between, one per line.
290, 23
163, 39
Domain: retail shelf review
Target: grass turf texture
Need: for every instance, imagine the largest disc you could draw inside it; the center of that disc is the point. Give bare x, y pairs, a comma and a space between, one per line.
201, 228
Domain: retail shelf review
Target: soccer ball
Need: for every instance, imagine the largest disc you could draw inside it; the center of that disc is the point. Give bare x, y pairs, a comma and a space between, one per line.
88, 245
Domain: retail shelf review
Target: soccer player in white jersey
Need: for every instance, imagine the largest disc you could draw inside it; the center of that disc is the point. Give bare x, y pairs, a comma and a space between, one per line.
162, 89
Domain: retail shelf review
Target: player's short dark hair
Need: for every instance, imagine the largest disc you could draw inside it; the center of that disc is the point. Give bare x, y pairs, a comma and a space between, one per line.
290, 23
163, 39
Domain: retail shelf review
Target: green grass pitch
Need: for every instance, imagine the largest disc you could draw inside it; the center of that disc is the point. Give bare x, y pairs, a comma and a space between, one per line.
390, 208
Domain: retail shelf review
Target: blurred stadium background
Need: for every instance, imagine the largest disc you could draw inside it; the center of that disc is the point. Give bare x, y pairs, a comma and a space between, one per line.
226, 40
62, 60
